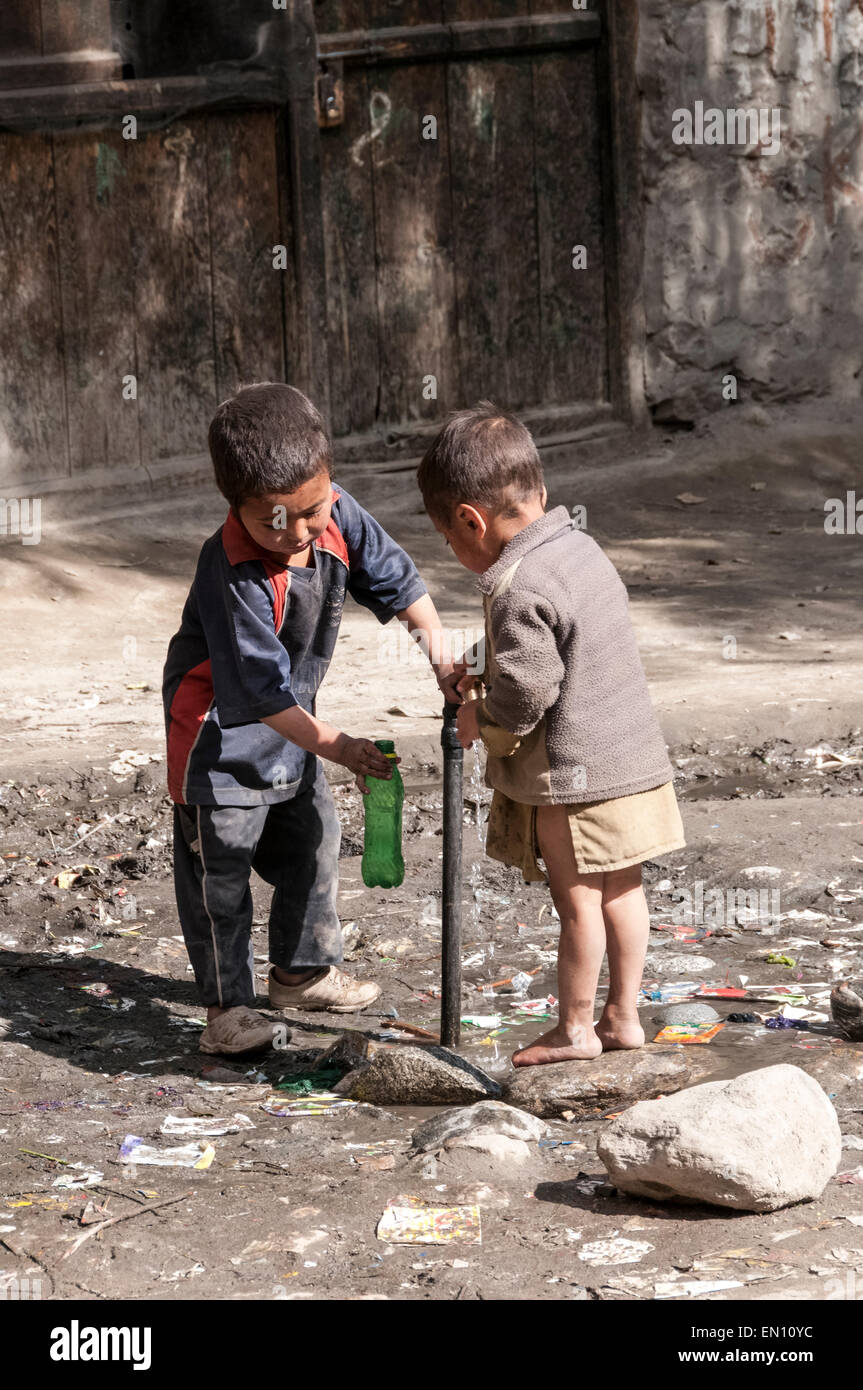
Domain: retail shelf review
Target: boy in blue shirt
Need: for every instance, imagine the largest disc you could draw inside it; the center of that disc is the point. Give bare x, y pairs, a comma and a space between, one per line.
244, 745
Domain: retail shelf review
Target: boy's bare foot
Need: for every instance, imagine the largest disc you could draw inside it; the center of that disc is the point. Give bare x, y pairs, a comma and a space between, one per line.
559, 1046
619, 1029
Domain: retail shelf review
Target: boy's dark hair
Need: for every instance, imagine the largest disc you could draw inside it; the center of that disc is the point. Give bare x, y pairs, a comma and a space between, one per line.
267, 438
481, 455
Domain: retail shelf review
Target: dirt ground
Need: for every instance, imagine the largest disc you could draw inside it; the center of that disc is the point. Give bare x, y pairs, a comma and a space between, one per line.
747, 617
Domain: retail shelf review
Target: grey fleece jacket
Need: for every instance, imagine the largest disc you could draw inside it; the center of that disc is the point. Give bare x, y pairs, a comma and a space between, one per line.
567, 716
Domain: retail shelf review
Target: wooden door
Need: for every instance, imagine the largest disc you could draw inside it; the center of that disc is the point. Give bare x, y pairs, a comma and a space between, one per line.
463, 212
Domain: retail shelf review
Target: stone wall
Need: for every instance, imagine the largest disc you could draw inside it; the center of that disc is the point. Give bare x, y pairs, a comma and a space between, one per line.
753, 261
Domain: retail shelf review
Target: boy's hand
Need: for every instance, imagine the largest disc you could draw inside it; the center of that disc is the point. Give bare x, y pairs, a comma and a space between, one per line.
361, 756
467, 724
469, 686
449, 679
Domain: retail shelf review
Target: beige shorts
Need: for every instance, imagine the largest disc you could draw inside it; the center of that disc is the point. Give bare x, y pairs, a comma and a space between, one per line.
606, 835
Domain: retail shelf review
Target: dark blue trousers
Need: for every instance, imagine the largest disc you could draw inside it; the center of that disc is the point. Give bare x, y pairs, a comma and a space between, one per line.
294, 846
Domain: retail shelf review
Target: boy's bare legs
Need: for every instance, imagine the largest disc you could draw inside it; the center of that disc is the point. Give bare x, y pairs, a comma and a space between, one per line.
578, 899
627, 925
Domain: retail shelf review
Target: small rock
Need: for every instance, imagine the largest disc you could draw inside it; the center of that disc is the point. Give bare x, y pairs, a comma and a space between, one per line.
348, 1052
611, 1080
687, 1013
487, 1117
416, 1076
677, 965
759, 1142
499, 1146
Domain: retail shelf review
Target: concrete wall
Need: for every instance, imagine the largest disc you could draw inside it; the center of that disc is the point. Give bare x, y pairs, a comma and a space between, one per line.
753, 262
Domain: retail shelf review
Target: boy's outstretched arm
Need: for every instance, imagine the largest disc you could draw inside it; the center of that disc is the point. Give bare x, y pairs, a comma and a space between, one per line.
359, 755
421, 617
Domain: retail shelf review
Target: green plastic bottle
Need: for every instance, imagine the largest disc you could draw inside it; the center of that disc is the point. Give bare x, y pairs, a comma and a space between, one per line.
383, 865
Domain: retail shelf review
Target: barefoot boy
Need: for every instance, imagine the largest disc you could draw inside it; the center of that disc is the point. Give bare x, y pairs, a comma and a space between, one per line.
575, 754
244, 744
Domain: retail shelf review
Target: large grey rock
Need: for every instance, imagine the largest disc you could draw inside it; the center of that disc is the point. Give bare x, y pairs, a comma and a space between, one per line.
686, 1013
416, 1076
755, 1143
486, 1117
607, 1082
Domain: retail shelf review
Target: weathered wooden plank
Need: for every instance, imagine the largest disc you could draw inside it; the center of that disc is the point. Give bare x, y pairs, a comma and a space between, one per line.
68, 25
95, 105
413, 226
94, 233
337, 16
624, 207
242, 179
349, 240
308, 300
386, 14
573, 329
58, 70
491, 137
409, 43
33, 433
455, 11
173, 289
20, 28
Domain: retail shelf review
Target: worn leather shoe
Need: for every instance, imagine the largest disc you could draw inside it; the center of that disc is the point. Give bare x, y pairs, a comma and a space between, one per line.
331, 990
239, 1032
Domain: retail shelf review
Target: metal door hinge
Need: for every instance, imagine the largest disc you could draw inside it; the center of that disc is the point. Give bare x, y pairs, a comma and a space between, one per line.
330, 92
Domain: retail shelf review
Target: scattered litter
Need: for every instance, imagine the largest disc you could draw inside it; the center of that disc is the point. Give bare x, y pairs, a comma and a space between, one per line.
535, 1008
204, 1125
410, 1221
93, 1212
394, 946
134, 1150
688, 1032
614, 1251
852, 1141
688, 935
498, 984
482, 1020
689, 499
694, 1288
70, 878
854, 1176
377, 1163
79, 1175
781, 1021
310, 1083
775, 958
666, 964
777, 994
743, 1018
670, 994
315, 1103
846, 895
130, 759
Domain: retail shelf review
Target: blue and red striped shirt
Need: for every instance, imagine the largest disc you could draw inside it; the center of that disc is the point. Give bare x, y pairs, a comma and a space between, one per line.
256, 637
